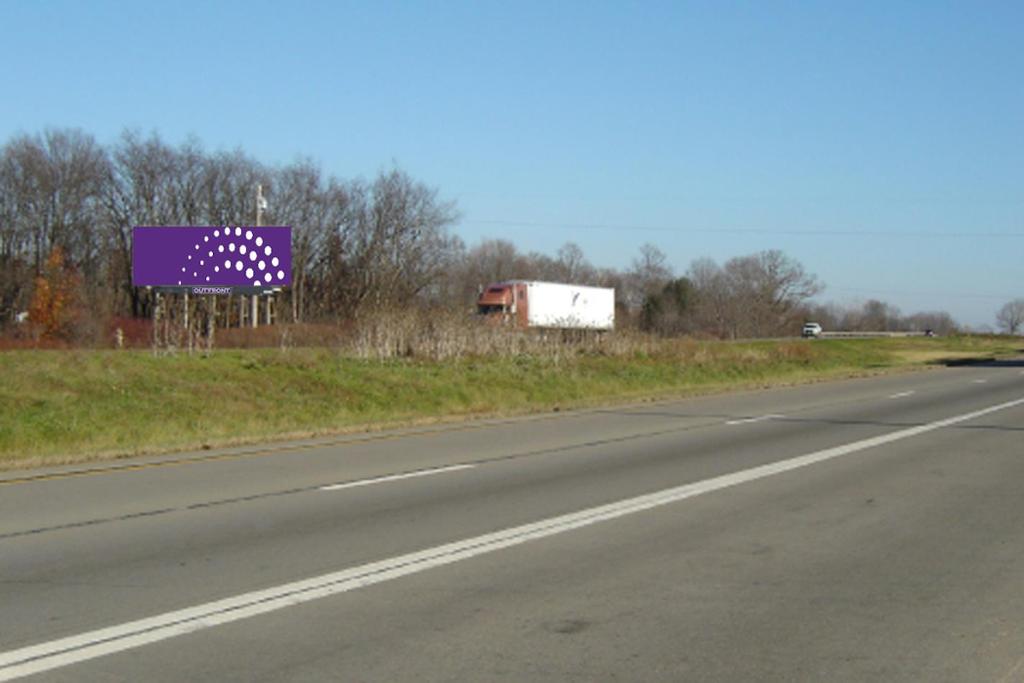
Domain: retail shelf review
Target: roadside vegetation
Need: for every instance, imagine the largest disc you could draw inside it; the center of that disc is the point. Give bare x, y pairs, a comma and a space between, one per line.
68, 204
75, 405
377, 327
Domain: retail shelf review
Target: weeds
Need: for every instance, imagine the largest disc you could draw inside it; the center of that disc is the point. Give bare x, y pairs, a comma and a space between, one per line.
60, 406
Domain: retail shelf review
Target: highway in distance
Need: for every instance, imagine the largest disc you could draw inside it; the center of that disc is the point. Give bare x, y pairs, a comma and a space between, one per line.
868, 529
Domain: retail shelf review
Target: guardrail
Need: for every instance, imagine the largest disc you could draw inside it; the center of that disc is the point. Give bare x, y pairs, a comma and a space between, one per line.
862, 335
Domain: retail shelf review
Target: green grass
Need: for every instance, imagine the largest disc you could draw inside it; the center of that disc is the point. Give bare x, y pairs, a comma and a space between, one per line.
65, 406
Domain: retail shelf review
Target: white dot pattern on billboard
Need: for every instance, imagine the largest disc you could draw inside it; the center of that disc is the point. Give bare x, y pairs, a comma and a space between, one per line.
258, 270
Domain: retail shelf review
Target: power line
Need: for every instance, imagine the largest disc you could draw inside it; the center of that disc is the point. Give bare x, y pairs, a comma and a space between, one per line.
897, 292
744, 231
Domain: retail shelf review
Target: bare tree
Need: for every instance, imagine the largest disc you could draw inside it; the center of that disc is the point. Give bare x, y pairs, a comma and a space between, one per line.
762, 294
771, 287
224, 195
648, 274
572, 264
938, 322
397, 242
538, 266
490, 261
15, 268
1010, 317
829, 315
54, 182
50, 193
879, 316
713, 305
142, 192
317, 209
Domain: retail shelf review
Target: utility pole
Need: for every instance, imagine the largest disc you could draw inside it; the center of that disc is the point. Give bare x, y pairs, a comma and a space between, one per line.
260, 203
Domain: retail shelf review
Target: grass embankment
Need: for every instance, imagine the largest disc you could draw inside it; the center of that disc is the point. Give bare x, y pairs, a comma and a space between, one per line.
63, 406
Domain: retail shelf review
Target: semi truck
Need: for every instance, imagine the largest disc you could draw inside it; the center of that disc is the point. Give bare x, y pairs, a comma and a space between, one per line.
556, 305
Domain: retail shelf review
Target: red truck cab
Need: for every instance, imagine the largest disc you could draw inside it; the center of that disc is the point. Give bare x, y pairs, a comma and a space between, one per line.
504, 302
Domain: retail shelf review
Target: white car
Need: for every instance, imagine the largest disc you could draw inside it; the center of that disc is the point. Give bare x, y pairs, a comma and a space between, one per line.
811, 330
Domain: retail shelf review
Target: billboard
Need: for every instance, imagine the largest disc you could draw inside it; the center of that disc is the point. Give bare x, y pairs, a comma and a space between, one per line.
212, 256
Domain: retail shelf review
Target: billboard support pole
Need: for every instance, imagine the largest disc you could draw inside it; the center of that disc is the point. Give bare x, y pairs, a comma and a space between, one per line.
186, 326
211, 321
156, 319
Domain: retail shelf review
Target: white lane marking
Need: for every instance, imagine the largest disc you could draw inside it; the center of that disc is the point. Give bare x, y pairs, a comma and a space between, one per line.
902, 394
64, 651
749, 420
980, 381
394, 477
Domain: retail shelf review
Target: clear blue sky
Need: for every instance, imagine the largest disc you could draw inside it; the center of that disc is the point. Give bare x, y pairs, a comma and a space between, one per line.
709, 129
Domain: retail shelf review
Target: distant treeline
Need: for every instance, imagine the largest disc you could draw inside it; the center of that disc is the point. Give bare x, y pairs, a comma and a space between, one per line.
878, 316
68, 204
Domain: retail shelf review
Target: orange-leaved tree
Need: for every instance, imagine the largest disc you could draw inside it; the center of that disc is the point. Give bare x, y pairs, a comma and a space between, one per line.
53, 309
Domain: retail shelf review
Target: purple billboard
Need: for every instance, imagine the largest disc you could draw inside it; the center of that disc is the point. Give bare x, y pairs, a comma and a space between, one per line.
211, 256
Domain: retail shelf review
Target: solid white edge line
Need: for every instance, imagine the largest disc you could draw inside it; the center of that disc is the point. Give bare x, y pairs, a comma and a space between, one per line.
395, 477
64, 651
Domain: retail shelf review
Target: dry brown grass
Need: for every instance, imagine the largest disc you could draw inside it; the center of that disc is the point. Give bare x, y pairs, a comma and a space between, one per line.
442, 335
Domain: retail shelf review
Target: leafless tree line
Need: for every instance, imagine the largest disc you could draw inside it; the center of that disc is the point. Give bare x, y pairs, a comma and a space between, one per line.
759, 295
879, 316
358, 246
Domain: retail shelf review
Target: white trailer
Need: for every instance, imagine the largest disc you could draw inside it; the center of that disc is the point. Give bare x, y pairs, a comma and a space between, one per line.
529, 303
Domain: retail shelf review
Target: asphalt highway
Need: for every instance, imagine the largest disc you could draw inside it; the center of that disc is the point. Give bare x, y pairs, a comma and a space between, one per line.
868, 529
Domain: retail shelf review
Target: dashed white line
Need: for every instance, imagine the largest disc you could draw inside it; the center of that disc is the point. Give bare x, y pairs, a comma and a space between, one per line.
749, 420
980, 381
394, 477
902, 394
65, 651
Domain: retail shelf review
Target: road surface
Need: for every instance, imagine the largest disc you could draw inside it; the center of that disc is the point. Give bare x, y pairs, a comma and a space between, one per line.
862, 530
